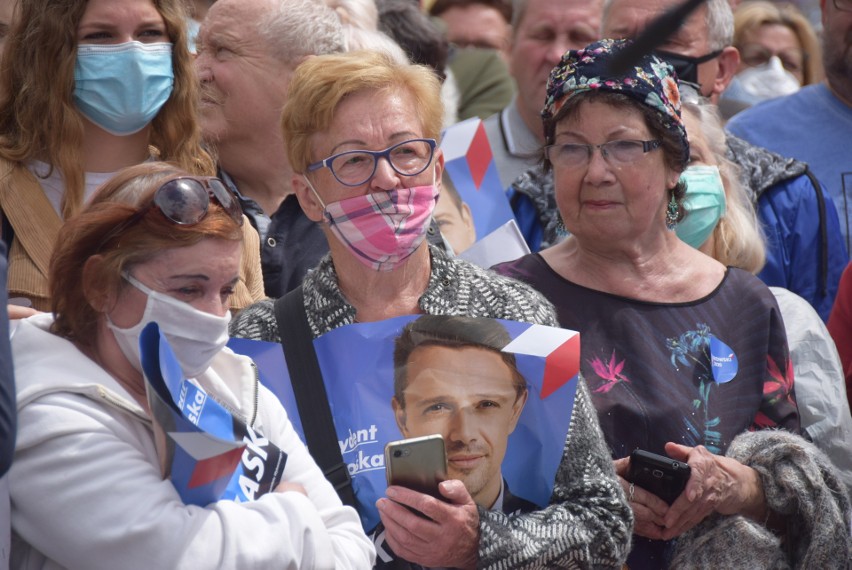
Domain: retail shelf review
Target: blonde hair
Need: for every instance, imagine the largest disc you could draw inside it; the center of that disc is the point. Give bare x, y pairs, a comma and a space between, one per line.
752, 15
321, 83
739, 241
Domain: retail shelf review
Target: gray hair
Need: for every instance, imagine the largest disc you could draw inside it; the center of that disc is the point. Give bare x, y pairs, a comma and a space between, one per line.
360, 14
739, 240
296, 29
720, 22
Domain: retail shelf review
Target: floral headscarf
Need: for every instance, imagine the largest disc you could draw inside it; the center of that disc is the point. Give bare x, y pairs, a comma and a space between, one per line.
652, 82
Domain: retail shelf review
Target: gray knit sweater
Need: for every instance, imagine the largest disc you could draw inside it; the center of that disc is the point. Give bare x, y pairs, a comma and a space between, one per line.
802, 485
588, 523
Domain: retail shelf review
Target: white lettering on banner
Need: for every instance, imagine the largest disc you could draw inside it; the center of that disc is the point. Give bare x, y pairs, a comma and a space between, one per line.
362, 461
365, 462
358, 438
248, 487
253, 459
182, 398
194, 409
717, 360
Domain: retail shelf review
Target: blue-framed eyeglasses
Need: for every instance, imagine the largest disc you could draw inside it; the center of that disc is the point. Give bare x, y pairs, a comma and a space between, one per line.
355, 167
572, 155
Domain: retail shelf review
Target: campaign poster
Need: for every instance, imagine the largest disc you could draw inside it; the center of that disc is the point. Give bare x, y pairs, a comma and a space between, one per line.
473, 211
441, 384
206, 452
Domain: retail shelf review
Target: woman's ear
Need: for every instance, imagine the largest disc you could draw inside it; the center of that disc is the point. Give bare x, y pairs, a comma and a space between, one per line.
94, 289
306, 197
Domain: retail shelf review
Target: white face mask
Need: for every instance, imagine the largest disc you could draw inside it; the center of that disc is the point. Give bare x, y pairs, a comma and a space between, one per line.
762, 82
196, 337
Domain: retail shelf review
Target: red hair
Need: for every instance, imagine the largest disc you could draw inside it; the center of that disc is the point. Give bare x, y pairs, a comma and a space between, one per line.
78, 295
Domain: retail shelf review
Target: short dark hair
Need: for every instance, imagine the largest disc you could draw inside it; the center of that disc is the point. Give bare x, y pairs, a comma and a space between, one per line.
419, 37
504, 7
451, 332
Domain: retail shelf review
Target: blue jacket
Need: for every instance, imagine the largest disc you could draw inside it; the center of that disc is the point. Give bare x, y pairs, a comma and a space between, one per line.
805, 252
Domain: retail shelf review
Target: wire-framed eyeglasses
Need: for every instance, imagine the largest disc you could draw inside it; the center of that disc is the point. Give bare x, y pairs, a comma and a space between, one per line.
355, 167
618, 152
184, 201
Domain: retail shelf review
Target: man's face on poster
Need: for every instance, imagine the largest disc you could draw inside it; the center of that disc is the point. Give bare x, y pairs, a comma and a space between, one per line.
470, 396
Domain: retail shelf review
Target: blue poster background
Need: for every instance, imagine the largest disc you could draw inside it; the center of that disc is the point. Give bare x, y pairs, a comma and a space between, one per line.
357, 366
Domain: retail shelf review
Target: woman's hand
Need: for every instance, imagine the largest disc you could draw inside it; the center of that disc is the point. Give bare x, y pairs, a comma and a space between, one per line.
649, 510
20, 312
717, 484
448, 538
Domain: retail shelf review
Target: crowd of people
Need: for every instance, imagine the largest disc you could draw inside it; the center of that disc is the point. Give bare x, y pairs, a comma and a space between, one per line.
273, 170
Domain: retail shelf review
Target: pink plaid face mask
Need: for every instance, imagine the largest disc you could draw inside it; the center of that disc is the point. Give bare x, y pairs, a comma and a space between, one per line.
382, 229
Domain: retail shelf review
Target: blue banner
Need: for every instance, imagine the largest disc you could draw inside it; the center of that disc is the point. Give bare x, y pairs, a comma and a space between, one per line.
357, 364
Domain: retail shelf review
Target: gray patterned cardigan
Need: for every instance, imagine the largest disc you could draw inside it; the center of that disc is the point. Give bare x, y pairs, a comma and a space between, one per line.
588, 523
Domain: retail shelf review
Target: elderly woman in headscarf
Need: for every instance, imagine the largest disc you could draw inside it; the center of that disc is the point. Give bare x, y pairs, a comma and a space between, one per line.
685, 357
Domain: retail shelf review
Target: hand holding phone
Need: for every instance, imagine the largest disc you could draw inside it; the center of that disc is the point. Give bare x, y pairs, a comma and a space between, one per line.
418, 463
663, 476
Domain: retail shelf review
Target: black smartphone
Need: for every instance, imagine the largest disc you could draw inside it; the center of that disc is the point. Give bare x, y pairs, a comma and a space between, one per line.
418, 463
658, 474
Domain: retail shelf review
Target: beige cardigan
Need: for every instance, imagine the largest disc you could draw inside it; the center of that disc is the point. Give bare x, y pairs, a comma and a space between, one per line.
36, 225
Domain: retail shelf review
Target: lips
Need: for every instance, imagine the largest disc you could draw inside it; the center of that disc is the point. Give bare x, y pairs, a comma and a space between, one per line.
465, 462
600, 203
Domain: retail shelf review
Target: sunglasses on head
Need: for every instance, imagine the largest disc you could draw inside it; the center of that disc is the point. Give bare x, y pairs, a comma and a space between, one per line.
185, 201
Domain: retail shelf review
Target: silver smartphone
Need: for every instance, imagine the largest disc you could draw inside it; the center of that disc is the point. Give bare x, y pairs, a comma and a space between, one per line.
418, 463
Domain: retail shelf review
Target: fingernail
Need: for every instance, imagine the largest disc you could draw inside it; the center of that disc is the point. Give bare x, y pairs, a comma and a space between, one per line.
390, 492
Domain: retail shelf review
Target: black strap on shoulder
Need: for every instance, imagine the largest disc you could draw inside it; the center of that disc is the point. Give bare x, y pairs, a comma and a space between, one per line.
823, 233
309, 389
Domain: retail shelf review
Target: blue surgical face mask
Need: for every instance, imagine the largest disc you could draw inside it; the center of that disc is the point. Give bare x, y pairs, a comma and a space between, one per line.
704, 204
122, 87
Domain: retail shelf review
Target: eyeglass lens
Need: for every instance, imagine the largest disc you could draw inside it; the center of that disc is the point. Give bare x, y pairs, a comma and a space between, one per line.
186, 200
407, 158
619, 152
183, 200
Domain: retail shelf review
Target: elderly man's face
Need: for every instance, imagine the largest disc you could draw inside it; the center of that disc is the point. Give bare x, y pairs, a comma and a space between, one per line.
546, 31
837, 48
468, 396
243, 85
628, 18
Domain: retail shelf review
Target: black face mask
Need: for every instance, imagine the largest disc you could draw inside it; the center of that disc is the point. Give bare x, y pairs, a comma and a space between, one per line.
686, 67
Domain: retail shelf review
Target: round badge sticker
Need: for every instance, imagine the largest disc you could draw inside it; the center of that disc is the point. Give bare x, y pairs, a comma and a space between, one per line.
723, 361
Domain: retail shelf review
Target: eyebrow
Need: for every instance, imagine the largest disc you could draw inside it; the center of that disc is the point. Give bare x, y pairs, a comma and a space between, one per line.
201, 277
364, 143
616, 131
106, 24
